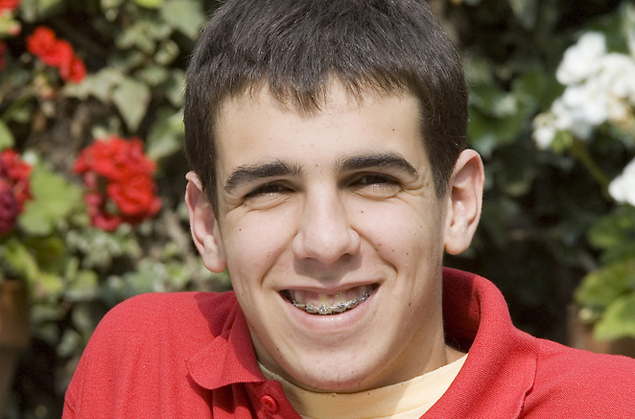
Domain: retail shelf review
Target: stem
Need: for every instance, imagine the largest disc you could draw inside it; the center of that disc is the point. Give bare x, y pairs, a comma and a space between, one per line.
580, 150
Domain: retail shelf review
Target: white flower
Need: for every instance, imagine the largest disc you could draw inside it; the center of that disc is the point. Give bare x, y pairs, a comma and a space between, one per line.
622, 188
582, 59
600, 87
617, 74
580, 109
544, 129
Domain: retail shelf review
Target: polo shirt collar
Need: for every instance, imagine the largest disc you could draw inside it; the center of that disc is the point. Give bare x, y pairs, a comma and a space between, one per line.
501, 366
497, 375
229, 358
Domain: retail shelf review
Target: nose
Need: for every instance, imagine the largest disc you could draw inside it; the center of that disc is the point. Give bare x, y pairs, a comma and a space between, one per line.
325, 233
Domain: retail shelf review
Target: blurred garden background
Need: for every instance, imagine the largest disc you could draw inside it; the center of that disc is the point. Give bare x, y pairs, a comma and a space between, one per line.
92, 169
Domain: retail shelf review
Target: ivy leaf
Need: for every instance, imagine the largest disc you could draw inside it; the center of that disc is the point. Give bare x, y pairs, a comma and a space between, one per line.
53, 199
173, 88
6, 137
166, 135
618, 321
525, 11
149, 4
84, 286
186, 16
488, 133
131, 98
599, 289
615, 234
19, 260
34, 10
99, 85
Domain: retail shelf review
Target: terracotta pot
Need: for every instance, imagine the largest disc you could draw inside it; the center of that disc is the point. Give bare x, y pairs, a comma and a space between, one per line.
581, 336
14, 331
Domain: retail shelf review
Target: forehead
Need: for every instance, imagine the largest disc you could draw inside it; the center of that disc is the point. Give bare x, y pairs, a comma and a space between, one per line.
257, 119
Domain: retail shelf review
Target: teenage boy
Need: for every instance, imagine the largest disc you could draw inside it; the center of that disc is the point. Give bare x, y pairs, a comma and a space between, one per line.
330, 173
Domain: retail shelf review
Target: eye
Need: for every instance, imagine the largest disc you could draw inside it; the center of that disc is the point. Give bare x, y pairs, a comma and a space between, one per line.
376, 179
376, 185
266, 189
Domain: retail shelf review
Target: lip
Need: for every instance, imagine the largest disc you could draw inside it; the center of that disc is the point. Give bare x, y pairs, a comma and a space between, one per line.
333, 324
344, 300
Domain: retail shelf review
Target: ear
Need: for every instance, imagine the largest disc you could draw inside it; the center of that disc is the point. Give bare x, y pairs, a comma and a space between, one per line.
465, 200
204, 225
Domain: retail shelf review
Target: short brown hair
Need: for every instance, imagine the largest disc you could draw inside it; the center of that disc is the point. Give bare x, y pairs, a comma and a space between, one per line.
297, 46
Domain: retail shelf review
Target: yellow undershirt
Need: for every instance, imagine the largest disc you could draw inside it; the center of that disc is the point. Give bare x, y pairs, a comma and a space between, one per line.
406, 400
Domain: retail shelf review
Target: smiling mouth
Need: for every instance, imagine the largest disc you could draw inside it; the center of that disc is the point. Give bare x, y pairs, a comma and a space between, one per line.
328, 304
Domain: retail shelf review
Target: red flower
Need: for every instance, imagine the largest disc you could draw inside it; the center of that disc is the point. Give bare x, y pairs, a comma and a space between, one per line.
56, 53
115, 159
59, 55
10, 207
135, 197
3, 50
41, 42
14, 188
8, 4
116, 171
74, 71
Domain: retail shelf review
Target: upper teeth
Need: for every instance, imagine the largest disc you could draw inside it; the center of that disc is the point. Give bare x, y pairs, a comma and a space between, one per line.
332, 309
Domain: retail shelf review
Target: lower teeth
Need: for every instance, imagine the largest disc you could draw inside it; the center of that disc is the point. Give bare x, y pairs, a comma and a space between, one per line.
336, 309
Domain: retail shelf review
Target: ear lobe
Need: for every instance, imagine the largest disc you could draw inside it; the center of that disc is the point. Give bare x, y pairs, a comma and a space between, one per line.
465, 196
204, 225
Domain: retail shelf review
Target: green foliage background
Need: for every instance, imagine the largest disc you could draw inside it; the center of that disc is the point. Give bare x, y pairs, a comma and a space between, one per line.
540, 206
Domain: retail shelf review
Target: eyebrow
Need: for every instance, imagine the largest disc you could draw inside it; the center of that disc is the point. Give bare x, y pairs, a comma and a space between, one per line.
250, 173
388, 160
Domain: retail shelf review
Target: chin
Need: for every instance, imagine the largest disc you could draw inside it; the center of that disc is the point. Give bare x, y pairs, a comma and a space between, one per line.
335, 381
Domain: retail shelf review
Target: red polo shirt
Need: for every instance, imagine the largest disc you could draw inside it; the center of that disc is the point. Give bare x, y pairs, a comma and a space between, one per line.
189, 355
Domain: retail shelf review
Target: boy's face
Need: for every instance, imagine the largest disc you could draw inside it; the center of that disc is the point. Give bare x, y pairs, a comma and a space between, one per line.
336, 211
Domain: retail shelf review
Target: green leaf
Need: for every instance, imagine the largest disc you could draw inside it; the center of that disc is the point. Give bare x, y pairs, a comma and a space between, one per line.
518, 170
154, 75
492, 101
525, 11
6, 137
615, 234
50, 252
150, 277
131, 98
19, 260
86, 316
186, 16
99, 247
46, 287
599, 289
166, 135
53, 199
486, 133
71, 341
167, 52
34, 10
618, 321
139, 36
174, 87
99, 85
149, 4
83, 286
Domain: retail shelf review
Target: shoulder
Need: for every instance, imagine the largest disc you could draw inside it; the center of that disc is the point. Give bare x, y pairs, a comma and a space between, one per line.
158, 310
581, 383
156, 324
138, 354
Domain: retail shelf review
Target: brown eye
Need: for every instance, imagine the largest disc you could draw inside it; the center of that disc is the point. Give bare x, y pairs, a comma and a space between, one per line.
376, 185
376, 179
269, 188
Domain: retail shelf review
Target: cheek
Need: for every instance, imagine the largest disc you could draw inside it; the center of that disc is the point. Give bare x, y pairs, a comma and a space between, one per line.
256, 240
398, 231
